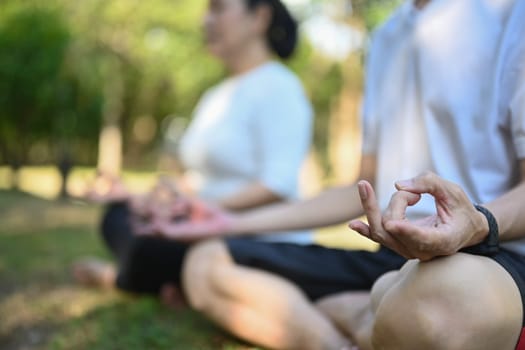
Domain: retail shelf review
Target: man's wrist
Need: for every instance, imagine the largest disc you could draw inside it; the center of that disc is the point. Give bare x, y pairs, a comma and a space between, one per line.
483, 229
486, 241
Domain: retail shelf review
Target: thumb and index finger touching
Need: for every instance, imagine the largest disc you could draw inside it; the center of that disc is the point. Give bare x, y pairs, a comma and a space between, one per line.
408, 194
427, 182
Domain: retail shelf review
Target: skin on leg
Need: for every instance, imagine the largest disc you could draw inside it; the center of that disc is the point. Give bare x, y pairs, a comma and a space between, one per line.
252, 304
456, 302
353, 312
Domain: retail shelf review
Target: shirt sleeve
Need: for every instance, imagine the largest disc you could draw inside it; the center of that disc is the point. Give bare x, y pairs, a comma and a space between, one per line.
283, 131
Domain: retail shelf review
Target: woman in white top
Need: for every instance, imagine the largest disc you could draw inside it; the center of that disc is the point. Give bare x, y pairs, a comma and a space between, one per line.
247, 141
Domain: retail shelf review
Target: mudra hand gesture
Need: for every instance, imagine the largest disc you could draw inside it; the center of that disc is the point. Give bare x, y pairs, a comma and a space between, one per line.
167, 213
455, 224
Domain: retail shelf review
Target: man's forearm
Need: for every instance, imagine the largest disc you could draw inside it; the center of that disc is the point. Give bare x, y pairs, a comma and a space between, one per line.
332, 207
509, 211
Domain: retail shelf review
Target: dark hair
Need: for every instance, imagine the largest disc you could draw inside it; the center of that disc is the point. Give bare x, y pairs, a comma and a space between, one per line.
282, 31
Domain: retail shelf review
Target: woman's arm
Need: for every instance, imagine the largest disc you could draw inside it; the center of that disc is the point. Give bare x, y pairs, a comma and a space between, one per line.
258, 194
254, 195
331, 207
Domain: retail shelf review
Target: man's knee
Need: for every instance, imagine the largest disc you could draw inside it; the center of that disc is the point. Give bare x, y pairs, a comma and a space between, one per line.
381, 286
403, 322
458, 302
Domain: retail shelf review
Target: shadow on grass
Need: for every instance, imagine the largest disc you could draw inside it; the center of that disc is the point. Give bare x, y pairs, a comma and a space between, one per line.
141, 324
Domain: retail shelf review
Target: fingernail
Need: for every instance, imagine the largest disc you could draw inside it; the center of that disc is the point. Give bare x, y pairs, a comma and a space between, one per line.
403, 184
354, 226
362, 191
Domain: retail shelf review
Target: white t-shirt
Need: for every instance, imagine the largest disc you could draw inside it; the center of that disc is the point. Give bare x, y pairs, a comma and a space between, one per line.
438, 97
253, 127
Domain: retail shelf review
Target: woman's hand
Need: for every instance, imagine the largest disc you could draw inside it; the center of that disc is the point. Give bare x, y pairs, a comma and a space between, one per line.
106, 188
204, 221
201, 220
456, 223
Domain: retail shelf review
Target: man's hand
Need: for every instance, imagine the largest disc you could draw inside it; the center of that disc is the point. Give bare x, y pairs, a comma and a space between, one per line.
456, 223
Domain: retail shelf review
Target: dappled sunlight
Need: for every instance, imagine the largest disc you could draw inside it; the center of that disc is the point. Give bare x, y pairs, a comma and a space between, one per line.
5, 177
55, 304
44, 181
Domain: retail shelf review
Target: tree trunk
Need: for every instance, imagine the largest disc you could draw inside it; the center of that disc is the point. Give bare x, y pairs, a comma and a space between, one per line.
110, 150
65, 165
110, 140
345, 129
15, 176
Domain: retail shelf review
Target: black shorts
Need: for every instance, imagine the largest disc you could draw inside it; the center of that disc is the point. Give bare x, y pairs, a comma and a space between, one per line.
318, 271
514, 264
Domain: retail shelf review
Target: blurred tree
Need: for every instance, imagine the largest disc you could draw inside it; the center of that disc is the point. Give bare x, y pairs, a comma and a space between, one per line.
373, 12
76, 120
33, 43
151, 64
337, 89
73, 70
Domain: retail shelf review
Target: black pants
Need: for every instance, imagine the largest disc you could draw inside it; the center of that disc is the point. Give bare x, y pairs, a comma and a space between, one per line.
318, 271
146, 263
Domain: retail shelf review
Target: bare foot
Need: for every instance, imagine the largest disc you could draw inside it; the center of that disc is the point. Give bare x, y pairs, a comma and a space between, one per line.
93, 272
171, 296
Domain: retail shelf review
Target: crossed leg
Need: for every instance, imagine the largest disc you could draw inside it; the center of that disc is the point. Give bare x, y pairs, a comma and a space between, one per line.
457, 302
354, 312
257, 306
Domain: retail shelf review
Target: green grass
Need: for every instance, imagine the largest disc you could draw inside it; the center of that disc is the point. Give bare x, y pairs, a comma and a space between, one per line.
42, 308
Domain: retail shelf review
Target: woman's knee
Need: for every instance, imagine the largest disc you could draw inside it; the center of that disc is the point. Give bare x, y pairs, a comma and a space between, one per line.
457, 302
197, 273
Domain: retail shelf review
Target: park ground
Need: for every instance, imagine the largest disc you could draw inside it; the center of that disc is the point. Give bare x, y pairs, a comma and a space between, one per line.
42, 308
